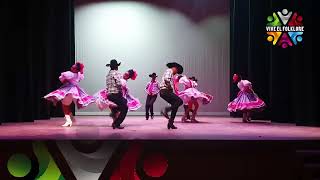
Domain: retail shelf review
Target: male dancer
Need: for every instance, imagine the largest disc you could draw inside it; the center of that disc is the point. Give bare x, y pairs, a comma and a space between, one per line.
152, 89
114, 90
166, 93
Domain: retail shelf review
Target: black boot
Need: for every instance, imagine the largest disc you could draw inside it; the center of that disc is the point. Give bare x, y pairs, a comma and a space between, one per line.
171, 126
114, 126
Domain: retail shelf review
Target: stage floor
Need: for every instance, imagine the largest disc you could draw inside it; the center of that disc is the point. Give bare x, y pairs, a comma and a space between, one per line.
136, 128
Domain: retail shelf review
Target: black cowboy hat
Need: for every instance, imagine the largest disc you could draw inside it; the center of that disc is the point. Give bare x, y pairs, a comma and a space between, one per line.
113, 63
176, 65
153, 75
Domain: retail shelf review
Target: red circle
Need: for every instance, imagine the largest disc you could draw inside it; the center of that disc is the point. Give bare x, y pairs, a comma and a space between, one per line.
284, 45
155, 165
299, 18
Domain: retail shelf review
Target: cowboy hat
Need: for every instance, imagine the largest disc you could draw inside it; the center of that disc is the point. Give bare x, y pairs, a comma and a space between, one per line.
113, 63
153, 75
176, 65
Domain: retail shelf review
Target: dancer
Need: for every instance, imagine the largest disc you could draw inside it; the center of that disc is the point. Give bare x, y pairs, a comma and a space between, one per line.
166, 93
190, 96
114, 89
246, 101
152, 89
192, 102
70, 92
133, 103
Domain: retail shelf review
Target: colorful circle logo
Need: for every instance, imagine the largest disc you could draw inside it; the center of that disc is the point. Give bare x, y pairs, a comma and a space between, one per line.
284, 28
19, 165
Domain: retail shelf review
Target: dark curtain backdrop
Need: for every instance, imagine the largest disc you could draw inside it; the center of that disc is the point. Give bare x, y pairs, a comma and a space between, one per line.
37, 43
284, 78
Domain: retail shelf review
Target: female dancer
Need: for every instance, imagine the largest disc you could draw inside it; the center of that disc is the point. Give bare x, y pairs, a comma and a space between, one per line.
133, 103
247, 100
190, 96
70, 92
152, 90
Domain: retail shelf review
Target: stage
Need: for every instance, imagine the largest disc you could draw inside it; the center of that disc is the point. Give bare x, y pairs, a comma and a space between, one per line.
137, 128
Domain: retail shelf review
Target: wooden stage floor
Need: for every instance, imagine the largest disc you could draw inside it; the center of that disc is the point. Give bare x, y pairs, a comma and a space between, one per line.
137, 128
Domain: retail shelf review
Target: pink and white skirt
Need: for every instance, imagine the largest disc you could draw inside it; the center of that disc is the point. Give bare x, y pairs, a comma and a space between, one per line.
132, 102
192, 93
103, 103
74, 92
246, 101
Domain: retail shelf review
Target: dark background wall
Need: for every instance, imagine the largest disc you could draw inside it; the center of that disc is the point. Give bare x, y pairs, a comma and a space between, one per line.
37, 43
284, 78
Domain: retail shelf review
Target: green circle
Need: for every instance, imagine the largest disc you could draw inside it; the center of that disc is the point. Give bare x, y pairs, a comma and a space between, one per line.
269, 18
19, 165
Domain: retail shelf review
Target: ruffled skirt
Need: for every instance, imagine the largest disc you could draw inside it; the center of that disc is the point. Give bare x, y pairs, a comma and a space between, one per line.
193, 93
246, 101
101, 99
74, 92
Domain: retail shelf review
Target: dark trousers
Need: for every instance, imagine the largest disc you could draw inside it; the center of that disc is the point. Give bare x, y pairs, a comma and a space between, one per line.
149, 104
172, 99
122, 107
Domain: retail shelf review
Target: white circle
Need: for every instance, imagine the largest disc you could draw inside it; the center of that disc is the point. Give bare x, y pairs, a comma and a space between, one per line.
285, 11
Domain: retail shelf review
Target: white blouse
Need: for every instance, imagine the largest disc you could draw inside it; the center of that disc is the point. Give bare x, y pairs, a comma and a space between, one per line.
244, 84
73, 78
